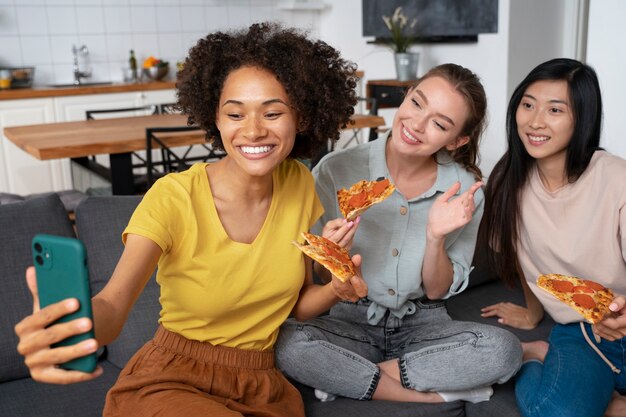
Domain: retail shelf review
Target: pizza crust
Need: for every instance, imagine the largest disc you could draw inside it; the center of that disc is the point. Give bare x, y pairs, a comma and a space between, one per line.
327, 253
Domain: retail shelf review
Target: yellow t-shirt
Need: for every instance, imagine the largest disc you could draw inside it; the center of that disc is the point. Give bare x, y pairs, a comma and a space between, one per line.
214, 289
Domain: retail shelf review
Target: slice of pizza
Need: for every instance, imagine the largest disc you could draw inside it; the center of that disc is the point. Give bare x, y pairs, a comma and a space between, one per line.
587, 297
332, 256
362, 195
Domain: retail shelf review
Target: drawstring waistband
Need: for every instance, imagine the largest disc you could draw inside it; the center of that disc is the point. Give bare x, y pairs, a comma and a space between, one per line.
595, 348
206, 352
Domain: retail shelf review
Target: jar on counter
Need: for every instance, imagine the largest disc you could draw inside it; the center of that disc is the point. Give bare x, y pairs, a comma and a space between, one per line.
5, 79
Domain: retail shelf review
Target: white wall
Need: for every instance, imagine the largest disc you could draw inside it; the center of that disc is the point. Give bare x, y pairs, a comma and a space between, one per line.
487, 58
606, 53
534, 37
529, 32
40, 33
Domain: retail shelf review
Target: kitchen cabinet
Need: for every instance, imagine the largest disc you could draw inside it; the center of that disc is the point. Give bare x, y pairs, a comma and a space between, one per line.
73, 108
23, 174
158, 97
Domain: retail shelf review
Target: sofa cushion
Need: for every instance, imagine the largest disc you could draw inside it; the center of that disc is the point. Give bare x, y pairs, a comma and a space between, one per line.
69, 198
19, 222
99, 224
25, 397
481, 270
467, 305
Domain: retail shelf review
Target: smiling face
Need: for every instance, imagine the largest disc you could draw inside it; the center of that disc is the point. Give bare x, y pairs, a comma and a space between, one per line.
545, 120
256, 121
430, 118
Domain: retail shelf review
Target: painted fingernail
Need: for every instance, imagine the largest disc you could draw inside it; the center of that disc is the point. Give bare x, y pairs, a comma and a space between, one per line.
613, 307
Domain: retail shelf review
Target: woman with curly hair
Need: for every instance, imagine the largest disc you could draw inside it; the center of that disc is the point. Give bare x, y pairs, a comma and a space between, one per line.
220, 234
392, 338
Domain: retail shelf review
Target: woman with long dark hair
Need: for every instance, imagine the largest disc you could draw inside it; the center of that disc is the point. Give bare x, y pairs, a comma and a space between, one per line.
556, 203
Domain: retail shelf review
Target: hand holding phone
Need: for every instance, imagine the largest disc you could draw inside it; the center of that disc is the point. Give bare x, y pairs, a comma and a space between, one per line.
61, 266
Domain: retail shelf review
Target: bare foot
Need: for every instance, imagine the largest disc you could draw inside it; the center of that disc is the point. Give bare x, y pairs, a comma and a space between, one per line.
535, 350
617, 406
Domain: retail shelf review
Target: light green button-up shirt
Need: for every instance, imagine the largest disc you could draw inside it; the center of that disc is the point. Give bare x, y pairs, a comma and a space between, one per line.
392, 235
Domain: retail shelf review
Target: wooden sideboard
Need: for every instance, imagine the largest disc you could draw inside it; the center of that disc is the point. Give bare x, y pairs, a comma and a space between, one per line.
388, 93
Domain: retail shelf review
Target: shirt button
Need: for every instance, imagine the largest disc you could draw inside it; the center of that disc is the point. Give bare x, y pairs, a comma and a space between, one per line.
403, 210
394, 252
390, 291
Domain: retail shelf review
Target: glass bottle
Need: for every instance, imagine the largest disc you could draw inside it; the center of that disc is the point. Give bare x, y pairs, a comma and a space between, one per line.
132, 63
5, 79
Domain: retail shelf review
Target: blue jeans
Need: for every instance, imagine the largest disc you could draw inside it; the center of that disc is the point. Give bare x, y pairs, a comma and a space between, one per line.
573, 381
339, 353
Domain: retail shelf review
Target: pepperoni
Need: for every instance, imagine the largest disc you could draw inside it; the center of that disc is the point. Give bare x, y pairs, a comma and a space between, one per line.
562, 286
594, 285
584, 300
380, 186
582, 288
358, 200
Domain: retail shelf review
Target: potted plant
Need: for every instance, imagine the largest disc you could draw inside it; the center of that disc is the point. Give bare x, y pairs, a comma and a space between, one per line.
400, 42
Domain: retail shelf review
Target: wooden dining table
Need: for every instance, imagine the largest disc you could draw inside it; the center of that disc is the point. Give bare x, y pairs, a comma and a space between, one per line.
119, 138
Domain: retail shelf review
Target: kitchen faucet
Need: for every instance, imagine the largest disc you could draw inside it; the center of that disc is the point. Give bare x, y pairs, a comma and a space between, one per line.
78, 74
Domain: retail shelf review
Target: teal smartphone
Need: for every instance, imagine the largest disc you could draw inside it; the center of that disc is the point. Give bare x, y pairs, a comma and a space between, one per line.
61, 265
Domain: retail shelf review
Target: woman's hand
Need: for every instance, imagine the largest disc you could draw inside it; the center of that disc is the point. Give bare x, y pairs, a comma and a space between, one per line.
353, 289
36, 338
614, 327
512, 315
447, 215
341, 231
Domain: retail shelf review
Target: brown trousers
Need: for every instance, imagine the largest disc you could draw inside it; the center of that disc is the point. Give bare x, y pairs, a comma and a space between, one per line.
173, 376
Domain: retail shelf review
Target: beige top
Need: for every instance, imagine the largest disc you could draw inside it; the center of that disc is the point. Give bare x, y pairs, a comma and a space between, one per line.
579, 230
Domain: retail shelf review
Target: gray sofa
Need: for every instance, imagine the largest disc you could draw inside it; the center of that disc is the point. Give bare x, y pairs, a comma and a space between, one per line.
98, 223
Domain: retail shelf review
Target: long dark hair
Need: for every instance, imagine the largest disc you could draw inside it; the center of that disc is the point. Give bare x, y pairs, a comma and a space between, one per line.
499, 230
467, 84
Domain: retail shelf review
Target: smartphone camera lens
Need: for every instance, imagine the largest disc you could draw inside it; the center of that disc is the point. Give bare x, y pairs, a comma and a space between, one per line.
39, 260
38, 247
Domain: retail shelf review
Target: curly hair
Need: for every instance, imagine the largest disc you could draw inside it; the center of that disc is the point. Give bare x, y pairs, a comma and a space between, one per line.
319, 83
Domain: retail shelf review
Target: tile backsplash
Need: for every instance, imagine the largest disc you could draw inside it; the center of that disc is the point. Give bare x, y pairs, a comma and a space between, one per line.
40, 33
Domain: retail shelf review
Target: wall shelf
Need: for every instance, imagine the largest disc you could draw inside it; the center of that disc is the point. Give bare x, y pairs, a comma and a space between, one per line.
302, 5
